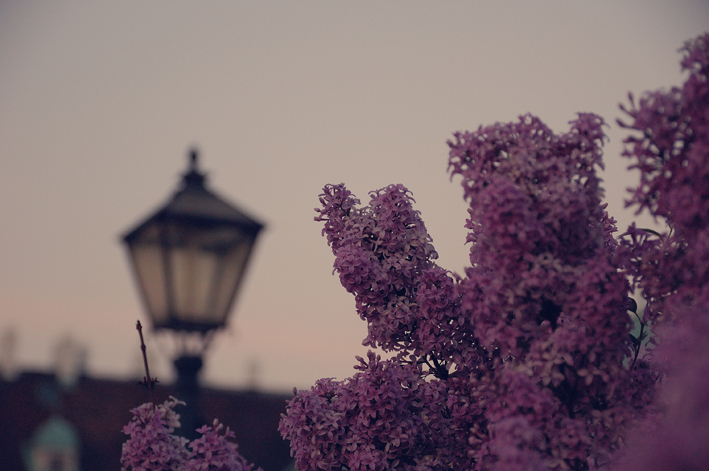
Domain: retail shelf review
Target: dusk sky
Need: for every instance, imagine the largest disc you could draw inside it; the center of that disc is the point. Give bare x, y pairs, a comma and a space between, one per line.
101, 101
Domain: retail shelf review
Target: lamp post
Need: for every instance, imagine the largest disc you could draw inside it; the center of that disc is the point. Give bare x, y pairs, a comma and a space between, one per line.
189, 259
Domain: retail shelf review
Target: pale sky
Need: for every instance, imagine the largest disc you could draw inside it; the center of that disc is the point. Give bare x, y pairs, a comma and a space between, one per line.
100, 102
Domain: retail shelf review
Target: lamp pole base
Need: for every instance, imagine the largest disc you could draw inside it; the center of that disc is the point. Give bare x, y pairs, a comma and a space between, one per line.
187, 390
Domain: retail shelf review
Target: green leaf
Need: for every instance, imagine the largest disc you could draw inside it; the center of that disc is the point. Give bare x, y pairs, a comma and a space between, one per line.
635, 340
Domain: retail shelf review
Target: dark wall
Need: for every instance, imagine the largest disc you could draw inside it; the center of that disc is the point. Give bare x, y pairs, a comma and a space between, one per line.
99, 409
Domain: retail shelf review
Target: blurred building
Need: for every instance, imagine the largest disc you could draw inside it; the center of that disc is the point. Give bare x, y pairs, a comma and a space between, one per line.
49, 423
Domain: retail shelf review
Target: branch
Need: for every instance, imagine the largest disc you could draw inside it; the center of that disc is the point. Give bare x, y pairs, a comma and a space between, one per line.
148, 382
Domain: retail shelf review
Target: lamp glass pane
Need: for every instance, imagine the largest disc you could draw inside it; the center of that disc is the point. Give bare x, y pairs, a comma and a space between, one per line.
193, 274
233, 265
149, 268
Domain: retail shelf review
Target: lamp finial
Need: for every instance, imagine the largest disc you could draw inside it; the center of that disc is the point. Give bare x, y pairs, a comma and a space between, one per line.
193, 158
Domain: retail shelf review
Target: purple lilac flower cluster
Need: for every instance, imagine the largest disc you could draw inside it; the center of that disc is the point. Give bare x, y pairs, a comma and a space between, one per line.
366, 420
153, 447
670, 148
520, 364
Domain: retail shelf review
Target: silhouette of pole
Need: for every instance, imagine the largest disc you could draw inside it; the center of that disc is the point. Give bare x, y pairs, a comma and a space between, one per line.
187, 390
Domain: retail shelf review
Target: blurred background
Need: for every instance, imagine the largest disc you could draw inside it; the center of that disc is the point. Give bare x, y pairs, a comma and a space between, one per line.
101, 101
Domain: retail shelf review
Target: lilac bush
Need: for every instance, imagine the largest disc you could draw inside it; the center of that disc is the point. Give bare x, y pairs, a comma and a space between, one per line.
151, 445
529, 361
670, 148
519, 364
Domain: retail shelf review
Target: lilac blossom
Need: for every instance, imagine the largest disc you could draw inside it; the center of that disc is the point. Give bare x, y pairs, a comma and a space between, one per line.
153, 447
670, 148
523, 362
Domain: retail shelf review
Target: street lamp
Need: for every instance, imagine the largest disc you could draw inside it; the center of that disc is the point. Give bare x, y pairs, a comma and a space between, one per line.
189, 259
